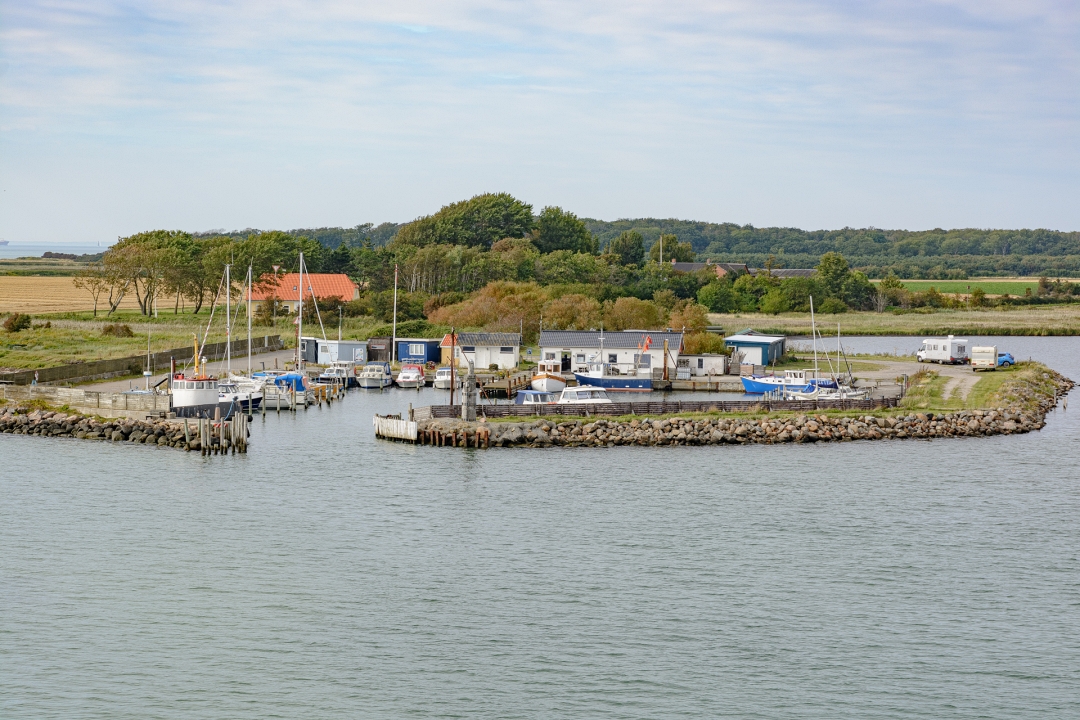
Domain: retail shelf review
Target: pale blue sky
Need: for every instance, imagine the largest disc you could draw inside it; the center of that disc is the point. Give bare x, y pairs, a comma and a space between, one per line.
117, 117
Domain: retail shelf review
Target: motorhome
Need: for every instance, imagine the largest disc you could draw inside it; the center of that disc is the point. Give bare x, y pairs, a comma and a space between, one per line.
946, 351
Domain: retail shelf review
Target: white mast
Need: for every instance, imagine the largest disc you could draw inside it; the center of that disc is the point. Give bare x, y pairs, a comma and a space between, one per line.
813, 331
393, 340
300, 317
228, 321
249, 319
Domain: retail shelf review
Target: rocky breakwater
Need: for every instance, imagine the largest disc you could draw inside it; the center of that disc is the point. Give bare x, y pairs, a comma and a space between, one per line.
58, 424
1026, 415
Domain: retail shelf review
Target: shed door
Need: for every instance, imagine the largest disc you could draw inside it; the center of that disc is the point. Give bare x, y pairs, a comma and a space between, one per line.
751, 355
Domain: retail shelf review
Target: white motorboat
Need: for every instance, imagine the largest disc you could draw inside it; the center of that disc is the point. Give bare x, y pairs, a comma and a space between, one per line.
195, 396
535, 397
443, 378
584, 395
240, 393
548, 377
411, 376
375, 376
338, 373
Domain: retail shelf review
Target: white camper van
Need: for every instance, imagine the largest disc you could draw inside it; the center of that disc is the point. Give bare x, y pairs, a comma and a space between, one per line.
951, 350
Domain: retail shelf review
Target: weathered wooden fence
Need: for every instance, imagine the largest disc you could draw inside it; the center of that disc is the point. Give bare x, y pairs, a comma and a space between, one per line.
106, 404
393, 427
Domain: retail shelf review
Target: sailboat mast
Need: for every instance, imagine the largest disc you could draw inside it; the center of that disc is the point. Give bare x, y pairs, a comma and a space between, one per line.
393, 340
228, 321
248, 313
300, 318
813, 331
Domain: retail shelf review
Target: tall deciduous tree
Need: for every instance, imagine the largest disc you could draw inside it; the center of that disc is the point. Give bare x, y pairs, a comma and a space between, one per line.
629, 248
481, 221
557, 229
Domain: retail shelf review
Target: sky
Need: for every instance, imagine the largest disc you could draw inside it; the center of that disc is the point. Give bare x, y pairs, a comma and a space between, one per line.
119, 117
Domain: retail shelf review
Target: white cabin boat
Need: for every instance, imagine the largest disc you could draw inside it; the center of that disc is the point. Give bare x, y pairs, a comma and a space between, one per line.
548, 377
411, 376
535, 397
443, 378
375, 376
339, 373
584, 395
242, 394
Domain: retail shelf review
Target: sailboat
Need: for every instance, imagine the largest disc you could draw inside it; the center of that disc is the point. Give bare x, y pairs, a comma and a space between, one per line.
242, 391
839, 389
792, 381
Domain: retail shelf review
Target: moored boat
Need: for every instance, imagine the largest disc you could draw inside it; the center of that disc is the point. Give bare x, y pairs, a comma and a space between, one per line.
339, 373
535, 397
444, 376
548, 377
790, 381
584, 395
375, 376
411, 376
240, 393
609, 377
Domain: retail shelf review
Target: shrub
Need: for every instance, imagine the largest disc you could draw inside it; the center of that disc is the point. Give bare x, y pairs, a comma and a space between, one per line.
832, 306
718, 297
118, 330
698, 343
689, 316
17, 322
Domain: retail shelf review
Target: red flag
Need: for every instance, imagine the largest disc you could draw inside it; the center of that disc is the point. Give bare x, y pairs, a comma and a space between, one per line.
648, 341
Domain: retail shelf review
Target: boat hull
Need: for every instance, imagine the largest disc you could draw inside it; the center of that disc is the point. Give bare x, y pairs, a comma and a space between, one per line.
546, 382
203, 411
410, 384
620, 383
372, 383
760, 385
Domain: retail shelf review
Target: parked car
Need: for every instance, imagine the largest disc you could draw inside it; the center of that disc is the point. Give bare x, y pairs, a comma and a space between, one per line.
1005, 359
989, 358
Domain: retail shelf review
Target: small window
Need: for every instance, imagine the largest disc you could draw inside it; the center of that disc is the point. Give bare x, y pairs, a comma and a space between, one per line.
416, 348
468, 348
506, 350
613, 358
701, 363
549, 356
581, 358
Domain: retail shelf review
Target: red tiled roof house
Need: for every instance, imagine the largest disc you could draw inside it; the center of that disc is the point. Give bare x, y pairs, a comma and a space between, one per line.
287, 288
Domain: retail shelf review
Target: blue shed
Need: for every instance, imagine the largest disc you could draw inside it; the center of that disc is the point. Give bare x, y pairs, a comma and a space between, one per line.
418, 350
757, 349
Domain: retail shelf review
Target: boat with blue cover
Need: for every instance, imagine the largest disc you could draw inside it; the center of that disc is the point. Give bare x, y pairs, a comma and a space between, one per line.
790, 381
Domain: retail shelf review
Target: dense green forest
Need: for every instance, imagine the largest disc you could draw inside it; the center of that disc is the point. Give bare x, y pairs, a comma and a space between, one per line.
933, 254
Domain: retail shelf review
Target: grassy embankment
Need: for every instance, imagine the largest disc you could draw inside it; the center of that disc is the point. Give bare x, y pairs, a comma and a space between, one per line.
1029, 320
54, 267
77, 336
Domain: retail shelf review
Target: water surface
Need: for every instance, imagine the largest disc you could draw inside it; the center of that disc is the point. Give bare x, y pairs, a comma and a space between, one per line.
329, 575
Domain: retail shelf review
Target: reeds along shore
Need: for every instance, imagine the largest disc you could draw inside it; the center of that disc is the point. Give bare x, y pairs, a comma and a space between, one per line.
797, 428
163, 433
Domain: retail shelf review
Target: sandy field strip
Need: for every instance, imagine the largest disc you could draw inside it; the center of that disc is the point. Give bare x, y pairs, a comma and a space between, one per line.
36, 295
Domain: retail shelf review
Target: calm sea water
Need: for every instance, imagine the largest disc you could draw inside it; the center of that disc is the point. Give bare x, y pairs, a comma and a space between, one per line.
328, 575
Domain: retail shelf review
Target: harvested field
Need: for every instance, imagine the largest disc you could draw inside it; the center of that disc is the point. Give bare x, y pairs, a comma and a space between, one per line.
38, 295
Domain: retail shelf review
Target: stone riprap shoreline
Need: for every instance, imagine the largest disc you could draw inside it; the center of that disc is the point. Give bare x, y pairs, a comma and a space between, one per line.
58, 424
768, 429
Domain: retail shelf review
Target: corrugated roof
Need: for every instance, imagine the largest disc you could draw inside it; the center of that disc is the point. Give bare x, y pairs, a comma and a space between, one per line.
484, 339
625, 339
324, 285
754, 338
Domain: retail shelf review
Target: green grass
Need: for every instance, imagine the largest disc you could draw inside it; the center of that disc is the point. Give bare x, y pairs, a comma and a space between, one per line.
964, 287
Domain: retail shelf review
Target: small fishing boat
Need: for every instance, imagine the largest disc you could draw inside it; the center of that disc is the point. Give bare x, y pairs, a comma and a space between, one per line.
535, 397
375, 375
790, 381
195, 396
443, 378
548, 377
411, 376
584, 395
610, 377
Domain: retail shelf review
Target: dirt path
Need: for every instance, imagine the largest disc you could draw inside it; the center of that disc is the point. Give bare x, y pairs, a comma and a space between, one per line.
960, 378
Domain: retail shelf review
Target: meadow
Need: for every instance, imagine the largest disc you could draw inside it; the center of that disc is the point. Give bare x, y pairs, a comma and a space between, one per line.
990, 286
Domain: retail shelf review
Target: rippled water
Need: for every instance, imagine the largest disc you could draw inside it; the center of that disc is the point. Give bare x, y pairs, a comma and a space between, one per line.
329, 575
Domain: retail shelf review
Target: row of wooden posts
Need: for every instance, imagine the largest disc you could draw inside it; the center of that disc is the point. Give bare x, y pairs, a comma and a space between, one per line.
455, 438
218, 437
